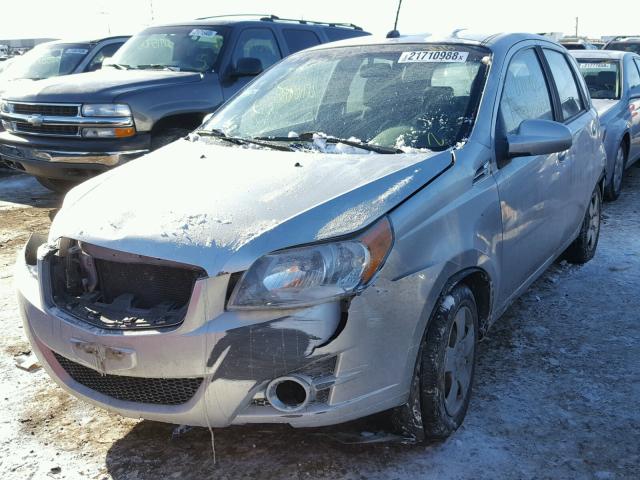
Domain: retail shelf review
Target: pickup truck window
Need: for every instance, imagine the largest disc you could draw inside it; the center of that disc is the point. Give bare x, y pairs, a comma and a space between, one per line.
257, 43
602, 77
49, 61
179, 48
105, 52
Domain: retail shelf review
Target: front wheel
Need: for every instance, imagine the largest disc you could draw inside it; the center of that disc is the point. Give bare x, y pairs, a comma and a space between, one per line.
445, 368
614, 185
584, 246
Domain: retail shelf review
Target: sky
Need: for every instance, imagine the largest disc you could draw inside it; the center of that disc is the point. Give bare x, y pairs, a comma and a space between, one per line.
82, 19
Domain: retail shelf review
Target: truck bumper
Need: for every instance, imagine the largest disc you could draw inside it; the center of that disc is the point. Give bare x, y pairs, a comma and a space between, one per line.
70, 160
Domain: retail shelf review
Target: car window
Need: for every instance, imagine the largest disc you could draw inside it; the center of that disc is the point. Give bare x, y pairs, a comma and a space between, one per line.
298, 39
49, 60
624, 46
570, 99
105, 52
525, 95
633, 76
602, 77
257, 43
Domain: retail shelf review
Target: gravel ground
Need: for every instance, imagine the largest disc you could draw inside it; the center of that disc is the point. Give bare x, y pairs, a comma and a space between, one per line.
556, 393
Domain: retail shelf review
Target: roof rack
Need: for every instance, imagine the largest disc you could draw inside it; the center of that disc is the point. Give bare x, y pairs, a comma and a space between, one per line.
275, 18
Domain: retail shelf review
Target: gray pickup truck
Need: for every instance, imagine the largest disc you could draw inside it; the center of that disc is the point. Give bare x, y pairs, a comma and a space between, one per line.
156, 88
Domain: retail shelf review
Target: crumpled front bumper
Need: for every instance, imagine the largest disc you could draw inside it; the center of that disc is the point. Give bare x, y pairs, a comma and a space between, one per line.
363, 365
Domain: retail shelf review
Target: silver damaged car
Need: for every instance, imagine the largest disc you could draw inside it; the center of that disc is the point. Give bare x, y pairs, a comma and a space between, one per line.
337, 239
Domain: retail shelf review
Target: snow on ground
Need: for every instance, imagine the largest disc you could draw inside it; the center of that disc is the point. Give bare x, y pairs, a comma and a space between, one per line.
556, 393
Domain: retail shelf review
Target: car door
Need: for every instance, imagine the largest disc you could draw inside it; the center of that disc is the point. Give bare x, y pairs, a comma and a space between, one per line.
632, 69
254, 42
531, 197
575, 178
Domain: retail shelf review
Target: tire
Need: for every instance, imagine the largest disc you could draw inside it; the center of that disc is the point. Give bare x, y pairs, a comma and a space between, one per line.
167, 136
443, 377
614, 185
584, 246
57, 185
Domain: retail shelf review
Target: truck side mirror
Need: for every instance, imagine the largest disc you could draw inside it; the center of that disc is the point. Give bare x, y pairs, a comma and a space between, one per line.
246, 67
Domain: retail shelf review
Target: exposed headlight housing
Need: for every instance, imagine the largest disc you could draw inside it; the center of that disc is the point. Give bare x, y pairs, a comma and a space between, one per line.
305, 276
107, 132
6, 107
106, 110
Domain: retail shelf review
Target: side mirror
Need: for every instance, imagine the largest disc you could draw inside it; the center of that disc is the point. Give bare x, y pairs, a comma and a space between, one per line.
634, 93
539, 137
247, 67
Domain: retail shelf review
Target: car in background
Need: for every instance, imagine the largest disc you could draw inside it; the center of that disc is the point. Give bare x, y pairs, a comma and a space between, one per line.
577, 43
57, 58
613, 79
624, 44
158, 87
330, 244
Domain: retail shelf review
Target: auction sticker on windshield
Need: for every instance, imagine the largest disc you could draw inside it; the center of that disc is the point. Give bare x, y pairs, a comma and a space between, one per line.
199, 32
601, 66
435, 56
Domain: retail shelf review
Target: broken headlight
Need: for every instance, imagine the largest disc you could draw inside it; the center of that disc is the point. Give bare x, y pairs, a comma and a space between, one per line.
309, 275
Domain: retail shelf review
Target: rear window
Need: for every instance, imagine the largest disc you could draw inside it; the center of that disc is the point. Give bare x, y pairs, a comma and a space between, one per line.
602, 77
298, 39
624, 46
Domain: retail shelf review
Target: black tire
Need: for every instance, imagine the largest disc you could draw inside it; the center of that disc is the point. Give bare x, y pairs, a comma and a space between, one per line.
167, 136
614, 184
429, 408
57, 185
584, 246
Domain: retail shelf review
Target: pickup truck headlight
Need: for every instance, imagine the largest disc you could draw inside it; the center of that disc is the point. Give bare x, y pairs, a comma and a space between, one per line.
319, 273
106, 110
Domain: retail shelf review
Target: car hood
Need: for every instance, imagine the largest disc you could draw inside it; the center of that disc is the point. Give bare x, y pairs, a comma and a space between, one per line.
100, 86
222, 207
603, 105
6, 84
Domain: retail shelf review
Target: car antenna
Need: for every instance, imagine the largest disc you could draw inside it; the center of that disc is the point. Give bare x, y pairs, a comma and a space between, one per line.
395, 33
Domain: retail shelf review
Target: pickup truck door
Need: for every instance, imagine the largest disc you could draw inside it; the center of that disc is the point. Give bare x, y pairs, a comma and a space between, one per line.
251, 42
531, 196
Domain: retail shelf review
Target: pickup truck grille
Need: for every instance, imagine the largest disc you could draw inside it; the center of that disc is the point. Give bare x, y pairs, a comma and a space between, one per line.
54, 110
63, 130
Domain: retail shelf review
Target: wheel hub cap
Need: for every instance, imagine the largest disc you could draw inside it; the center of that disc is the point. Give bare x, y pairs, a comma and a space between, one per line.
458, 360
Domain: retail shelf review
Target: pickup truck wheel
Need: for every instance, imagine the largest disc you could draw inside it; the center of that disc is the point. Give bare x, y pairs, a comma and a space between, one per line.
614, 185
165, 137
443, 377
584, 247
56, 185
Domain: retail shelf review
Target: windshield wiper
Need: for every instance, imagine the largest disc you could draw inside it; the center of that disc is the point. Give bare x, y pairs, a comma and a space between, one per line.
240, 141
310, 136
119, 66
157, 66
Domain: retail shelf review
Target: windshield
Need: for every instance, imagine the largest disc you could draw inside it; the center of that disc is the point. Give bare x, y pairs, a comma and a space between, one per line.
181, 48
47, 61
602, 77
401, 96
624, 47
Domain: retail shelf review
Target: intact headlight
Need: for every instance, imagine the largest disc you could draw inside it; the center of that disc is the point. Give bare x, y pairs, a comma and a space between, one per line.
310, 275
106, 110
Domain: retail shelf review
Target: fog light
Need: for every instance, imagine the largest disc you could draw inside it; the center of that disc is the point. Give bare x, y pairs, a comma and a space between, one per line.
100, 132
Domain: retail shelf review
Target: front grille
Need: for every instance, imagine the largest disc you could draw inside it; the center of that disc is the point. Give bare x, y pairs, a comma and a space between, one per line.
151, 284
156, 391
53, 110
47, 129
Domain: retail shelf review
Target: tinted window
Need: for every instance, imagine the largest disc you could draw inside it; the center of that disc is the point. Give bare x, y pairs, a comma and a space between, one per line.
334, 34
565, 82
257, 43
632, 75
602, 77
105, 52
624, 46
49, 61
299, 39
525, 95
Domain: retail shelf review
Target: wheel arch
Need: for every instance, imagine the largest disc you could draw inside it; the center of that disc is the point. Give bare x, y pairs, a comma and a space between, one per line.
187, 120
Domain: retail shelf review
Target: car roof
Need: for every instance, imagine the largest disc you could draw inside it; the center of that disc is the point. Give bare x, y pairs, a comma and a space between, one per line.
252, 20
493, 41
95, 40
600, 54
